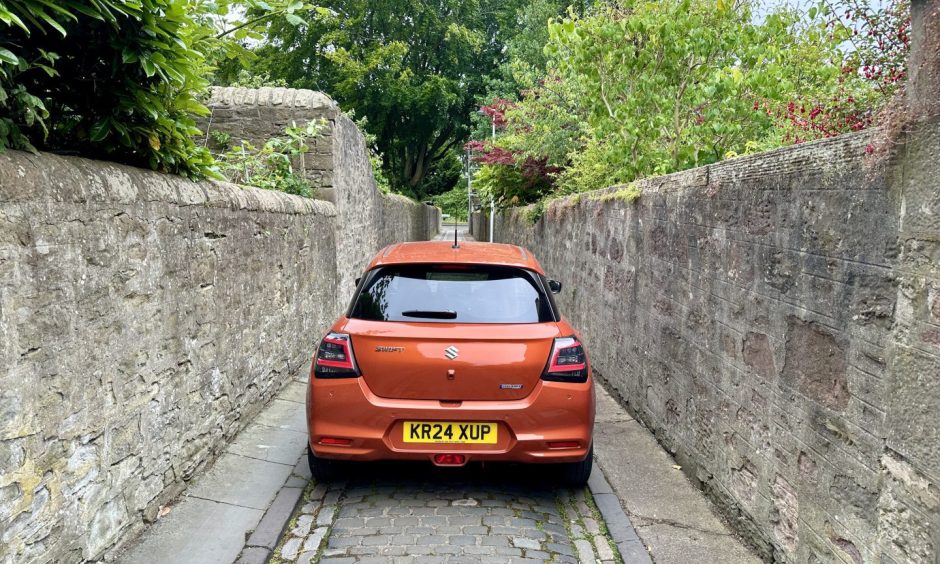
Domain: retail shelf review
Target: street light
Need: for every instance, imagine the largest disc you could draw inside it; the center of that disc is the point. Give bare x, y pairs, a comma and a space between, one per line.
469, 191
492, 201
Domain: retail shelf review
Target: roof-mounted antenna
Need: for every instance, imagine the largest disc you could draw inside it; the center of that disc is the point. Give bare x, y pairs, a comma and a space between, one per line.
456, 244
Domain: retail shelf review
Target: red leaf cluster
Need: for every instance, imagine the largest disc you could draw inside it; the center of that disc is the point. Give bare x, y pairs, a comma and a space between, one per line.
497, 111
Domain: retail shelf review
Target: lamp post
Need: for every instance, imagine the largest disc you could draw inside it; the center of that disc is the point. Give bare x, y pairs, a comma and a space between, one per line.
469, 191
492, 200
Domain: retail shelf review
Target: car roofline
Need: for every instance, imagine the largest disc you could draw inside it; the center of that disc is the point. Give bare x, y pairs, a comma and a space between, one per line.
441, 252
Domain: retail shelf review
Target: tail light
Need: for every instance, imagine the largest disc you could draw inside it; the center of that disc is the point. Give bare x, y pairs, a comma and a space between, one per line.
335, 358
567, 363
335, 441
447, 459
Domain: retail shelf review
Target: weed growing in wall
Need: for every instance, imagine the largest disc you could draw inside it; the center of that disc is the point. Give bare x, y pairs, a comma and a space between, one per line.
629, 194
534, 213
278, 165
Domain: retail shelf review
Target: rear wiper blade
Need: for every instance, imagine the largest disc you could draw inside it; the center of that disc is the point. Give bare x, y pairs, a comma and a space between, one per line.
429, 314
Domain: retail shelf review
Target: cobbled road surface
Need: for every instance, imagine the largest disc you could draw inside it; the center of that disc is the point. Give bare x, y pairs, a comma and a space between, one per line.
417, 513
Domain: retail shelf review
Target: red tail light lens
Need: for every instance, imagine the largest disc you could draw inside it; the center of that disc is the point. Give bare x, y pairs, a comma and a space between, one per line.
563, 444
335, 358
450, 459
335, 441
567, 363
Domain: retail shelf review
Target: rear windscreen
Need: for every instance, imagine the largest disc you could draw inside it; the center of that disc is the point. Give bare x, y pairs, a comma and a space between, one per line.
430, 293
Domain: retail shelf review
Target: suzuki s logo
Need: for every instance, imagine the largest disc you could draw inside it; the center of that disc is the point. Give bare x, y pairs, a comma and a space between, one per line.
451, 352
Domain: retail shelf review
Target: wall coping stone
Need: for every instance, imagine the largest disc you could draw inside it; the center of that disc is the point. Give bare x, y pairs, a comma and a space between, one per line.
223, 96
79, 180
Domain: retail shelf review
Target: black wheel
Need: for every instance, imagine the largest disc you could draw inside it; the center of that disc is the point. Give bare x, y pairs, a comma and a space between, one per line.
576, 474
322, 469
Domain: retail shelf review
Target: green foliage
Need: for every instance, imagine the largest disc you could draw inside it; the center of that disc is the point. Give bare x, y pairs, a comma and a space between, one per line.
222, 139
414, 68
247, 80
636, 88
533, 213
526, 59
103, 78
509, 185
628, 194
272, 167
454, 202
442, 177
671, 85
118, 79
229, 29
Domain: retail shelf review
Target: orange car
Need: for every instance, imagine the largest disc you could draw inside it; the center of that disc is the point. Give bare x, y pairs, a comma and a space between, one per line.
452, 354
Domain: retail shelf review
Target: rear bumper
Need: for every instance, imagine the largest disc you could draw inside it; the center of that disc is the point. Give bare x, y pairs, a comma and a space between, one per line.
553, 412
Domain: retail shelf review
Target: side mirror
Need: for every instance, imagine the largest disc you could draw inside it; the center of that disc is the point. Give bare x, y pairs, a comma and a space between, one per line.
357, 281
554, 286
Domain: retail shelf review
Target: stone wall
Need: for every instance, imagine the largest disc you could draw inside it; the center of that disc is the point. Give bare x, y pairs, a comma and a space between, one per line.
775, 320
399, 217
143, 320
480, 225
366, 218
909, 501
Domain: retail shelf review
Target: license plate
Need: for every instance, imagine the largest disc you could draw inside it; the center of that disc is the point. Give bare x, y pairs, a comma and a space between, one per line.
450, 432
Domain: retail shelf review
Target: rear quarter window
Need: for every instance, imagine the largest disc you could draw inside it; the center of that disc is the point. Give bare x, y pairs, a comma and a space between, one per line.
432, 293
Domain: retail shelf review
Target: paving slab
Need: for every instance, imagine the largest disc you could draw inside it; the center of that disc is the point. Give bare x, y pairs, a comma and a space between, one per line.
271, 444
269, 529
669, 543
296, 391
243, 481
672, 517
283, 414
196, 531
209, 523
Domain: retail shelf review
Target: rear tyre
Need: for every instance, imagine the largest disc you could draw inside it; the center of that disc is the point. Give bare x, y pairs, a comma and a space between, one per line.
322, 469
576, 474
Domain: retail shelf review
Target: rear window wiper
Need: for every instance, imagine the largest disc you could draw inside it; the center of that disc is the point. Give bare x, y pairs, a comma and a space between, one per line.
430, 314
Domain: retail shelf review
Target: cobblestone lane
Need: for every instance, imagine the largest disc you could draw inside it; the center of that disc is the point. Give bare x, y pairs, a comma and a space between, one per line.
412, 513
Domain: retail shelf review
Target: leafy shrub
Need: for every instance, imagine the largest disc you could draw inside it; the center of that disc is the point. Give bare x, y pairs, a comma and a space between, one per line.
633, 88
272, 167
105, 79
120, 79
453, 202
533, 213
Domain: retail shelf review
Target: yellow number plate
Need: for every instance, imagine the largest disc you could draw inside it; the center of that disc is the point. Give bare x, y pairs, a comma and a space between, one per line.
450, 432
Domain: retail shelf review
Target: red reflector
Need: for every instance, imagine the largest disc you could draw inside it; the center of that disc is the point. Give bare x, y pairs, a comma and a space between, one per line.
335, 441
449, 459
564, 444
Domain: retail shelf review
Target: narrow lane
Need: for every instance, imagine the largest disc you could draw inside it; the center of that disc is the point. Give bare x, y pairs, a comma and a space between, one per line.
447, 232
414, 512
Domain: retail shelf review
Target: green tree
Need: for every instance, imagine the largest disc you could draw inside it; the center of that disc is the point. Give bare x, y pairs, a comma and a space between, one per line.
414, 68
524, 67
671, 85
454, 202
640, 88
